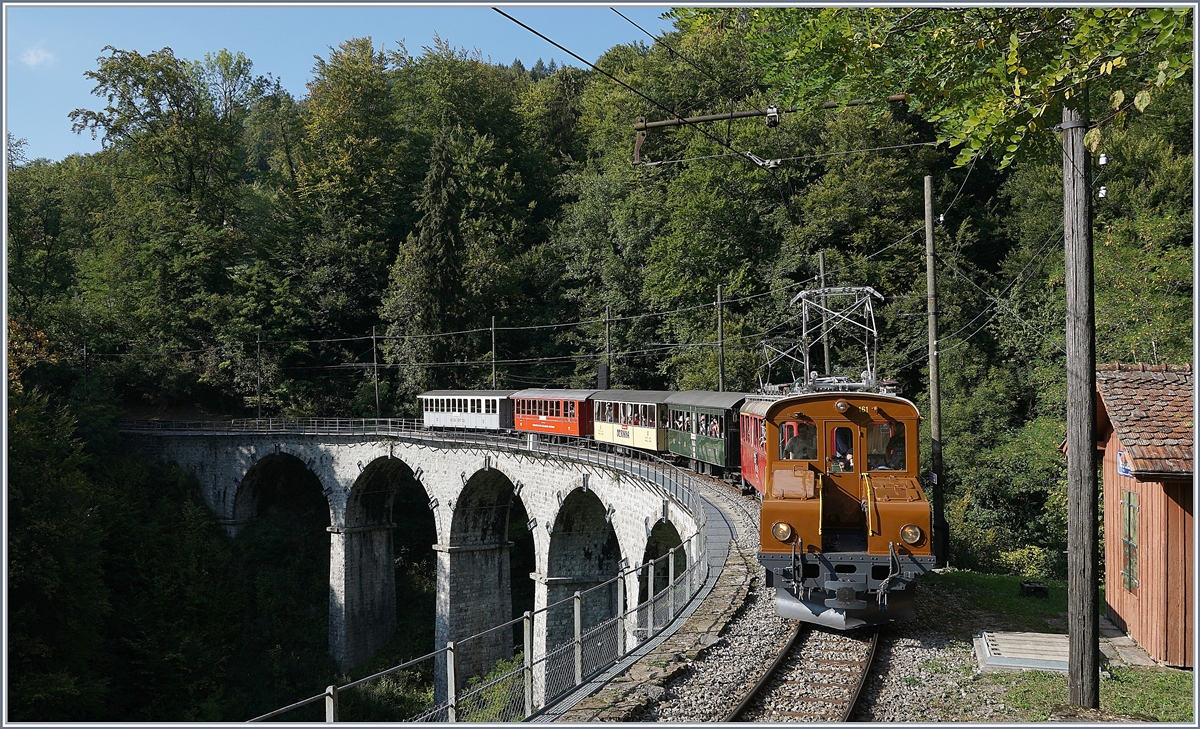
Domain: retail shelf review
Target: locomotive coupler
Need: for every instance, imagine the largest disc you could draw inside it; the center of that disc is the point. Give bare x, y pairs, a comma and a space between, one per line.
844, 593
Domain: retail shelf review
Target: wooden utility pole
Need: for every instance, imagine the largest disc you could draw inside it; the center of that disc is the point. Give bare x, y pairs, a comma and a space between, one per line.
607, 348
493, 353
720, 343
1083, 593
824, 306
258, 385
941, 529
375, 365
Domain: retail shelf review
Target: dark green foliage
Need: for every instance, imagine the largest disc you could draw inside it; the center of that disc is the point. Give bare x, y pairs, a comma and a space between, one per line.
423, 195
56, 590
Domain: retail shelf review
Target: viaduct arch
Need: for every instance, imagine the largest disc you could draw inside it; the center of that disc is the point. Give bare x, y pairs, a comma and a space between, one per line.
586, 519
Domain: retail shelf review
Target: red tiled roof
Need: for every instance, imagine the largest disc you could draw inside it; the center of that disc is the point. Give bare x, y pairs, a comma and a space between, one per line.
1150, 407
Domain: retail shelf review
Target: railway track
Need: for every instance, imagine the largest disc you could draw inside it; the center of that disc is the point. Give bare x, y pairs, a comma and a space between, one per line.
818, 676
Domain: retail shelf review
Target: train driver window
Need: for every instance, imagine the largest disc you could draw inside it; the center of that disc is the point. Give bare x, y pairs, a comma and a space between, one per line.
842, 460
798, 440
885, 447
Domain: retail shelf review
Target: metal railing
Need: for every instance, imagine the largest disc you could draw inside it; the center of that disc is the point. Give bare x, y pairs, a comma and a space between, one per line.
602, 628
650, 467
516, 689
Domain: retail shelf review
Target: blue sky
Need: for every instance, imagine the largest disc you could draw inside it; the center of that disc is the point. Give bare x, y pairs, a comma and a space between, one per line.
48, 48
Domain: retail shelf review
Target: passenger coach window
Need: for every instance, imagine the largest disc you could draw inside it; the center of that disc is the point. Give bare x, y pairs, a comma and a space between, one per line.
885, 447
798, 440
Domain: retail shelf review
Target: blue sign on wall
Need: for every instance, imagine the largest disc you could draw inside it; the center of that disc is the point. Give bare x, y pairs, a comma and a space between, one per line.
1123, 468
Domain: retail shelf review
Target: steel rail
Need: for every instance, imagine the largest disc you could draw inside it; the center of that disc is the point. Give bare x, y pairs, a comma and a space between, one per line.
862, 680
783, 656
801, 628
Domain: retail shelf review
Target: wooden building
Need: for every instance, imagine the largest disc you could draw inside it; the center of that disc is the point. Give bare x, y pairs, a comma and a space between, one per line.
1145, 430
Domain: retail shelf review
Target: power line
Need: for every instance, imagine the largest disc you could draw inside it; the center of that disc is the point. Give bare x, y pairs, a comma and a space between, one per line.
1004, 306
744, 155
856, 151
792, 159
722, 87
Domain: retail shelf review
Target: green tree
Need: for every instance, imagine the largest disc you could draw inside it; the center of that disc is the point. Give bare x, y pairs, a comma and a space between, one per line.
987, 77
56, 592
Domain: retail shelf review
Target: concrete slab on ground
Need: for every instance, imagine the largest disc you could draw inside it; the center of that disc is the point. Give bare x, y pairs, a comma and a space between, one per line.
1007, 651
1022, 651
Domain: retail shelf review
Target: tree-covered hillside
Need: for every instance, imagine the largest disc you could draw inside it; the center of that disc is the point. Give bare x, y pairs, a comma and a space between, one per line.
234, 248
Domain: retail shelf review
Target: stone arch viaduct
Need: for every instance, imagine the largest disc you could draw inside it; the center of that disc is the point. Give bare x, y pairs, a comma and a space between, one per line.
590, 512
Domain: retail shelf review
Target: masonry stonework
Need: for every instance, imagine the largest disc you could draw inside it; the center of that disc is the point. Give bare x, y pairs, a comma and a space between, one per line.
587, 522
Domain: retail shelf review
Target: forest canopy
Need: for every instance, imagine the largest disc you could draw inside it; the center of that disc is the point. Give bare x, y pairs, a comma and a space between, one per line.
236, 250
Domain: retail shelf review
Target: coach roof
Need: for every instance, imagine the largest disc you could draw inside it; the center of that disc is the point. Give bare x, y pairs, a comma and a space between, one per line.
704, 399
467, 393
539, 393
639, 396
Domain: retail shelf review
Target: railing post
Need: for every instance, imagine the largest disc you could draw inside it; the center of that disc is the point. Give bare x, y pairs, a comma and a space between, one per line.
451, 685
650, 596
620, 613
331, 703
527, 624
671, 581
578, 639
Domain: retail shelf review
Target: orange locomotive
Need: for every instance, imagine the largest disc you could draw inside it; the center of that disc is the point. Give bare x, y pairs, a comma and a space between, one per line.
845, 526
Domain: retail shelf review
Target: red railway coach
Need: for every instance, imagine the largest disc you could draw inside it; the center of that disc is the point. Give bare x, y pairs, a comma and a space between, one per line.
754, 442
557, 412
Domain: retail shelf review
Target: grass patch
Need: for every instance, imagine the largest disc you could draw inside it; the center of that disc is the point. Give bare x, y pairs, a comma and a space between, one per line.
1164, 694
1157, 693
1001, 595
965, 602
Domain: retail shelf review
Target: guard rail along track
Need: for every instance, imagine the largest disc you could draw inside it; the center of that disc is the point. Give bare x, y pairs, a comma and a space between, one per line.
536, 681
817, 677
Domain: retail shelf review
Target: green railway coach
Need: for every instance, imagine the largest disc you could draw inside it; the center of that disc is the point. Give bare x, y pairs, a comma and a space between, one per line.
703, 427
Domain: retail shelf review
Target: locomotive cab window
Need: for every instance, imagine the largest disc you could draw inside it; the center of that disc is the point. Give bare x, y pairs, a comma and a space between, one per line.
842, 449
798, 440
885, 447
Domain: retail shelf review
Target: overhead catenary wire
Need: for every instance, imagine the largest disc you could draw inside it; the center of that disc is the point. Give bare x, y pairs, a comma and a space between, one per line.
822, 155
680, 56
653, 102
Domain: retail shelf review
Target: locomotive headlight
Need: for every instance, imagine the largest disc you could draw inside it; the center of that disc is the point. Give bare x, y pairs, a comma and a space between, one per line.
782, 531
842, 406
910, 533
